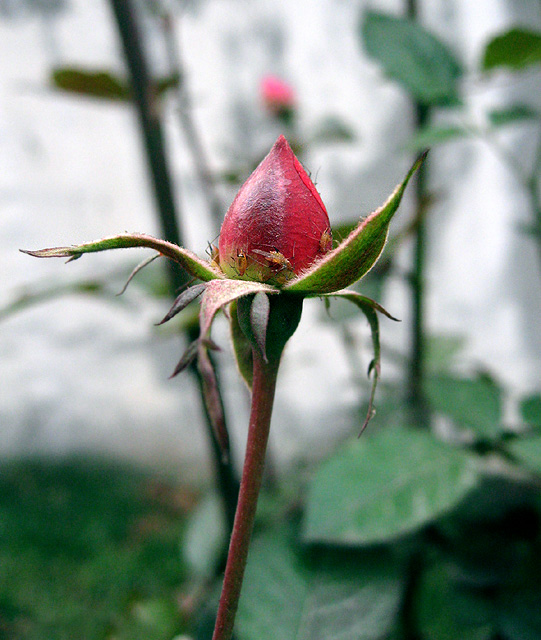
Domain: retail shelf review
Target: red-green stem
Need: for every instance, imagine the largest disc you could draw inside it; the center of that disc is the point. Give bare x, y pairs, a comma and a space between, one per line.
263, 387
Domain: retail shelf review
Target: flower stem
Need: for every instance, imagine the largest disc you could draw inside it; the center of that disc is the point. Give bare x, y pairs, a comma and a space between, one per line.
263, 387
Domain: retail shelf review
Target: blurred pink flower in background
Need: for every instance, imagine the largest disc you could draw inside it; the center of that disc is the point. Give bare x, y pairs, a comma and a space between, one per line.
277, 94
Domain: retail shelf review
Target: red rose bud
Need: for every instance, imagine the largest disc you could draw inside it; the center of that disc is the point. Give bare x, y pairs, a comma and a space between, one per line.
277, 95
277, 225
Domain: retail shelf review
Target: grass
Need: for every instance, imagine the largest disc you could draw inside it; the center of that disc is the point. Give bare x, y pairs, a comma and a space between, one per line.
90, 550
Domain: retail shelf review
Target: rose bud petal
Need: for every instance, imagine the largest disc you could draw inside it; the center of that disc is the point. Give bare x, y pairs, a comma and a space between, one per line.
277, 225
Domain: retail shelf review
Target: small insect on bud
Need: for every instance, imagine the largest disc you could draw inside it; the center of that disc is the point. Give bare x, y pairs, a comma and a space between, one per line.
280, 266
325, 242
241, 263
277, 225
275, 258
214, 255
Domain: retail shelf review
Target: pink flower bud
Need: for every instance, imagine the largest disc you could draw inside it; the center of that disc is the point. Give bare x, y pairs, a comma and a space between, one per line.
277, 225
277, 95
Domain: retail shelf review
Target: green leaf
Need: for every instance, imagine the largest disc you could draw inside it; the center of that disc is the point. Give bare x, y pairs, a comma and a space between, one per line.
386, 485
350, 597
445, 611
194, 265
156, 616
412, 56
432, 136
357, 254
241, 346
94, 83
441, 350
528, 451
100, 83
204, 541
477, 531
530, 409
512, 115
519, 614
515, 49
473, 403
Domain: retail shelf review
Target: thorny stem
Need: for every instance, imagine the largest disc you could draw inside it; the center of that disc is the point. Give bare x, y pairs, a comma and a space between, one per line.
148, 109
418, 342
263, 387
187, 124
416, 396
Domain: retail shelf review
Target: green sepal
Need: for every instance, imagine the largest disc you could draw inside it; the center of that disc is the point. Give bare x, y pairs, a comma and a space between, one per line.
283, 319
183, 300
358, 253
219, 293
189, 355
244, 307
194, 265
242, 347
253, 314
213, 401
370, 308
259, 320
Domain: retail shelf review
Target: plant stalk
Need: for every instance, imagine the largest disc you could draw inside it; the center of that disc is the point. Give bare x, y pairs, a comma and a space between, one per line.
187, 124
263, 388
416, 396
147, 104
226, 478
146, 101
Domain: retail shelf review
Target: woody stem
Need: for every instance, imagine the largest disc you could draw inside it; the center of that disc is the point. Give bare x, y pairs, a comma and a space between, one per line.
263, 387
417, 401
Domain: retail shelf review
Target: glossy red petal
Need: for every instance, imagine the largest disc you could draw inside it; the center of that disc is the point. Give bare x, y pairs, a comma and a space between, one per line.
277, 226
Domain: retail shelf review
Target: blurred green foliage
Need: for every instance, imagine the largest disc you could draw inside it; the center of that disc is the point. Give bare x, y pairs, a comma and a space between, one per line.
414, 57
88, 549
101, 83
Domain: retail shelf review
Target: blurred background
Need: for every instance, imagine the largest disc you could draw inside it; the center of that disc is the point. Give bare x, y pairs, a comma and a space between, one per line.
104, 458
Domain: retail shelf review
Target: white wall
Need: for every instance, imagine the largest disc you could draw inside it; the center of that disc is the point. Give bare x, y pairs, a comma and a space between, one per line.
80, 374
